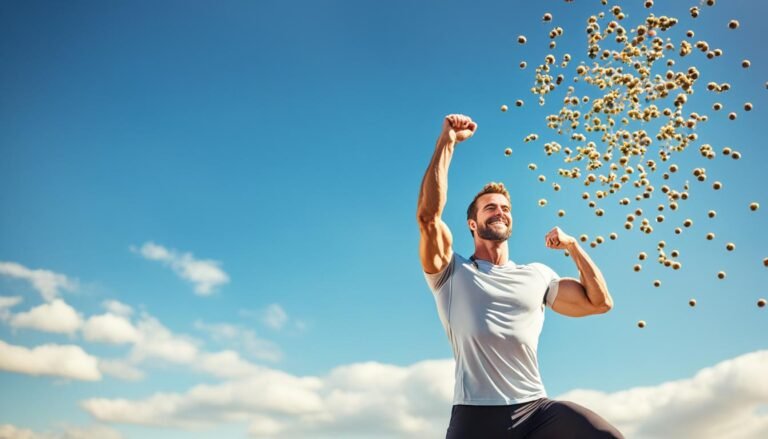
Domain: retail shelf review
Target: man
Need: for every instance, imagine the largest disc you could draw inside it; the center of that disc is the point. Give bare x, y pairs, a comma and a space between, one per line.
493, 310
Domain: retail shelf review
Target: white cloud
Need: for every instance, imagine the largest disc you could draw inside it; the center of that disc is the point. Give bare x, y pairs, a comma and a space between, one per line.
9, 431
268, 390
719, 401
242, 339
351, 401
374, 400
7, 302
46, 282
110, 328
226, 364
68, 361
56, 316
121, 369
275, 316
117, 308
204, 274
157, 341
92, 432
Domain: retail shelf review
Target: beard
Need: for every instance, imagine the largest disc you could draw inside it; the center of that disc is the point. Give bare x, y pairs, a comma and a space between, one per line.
493, 233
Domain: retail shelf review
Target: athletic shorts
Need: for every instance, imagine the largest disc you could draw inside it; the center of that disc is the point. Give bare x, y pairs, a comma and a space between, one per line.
540, 419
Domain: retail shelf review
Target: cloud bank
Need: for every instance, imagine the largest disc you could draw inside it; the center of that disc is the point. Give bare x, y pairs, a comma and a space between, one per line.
374, 400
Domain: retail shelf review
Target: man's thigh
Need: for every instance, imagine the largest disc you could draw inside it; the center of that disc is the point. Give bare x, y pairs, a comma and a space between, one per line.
566, 420
487, 422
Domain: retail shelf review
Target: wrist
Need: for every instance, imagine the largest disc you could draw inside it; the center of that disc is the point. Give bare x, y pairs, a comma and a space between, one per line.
572, 245
446, 140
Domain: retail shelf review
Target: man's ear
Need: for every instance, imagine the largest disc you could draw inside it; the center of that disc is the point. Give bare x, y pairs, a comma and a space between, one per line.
472, 225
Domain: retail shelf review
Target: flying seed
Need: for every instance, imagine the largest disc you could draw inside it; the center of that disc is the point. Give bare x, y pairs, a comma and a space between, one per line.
657, 283
641, 324
733, 24
710, 236
761, 303
753, 206
508, 152
521, 39
503, 108
730, 246
721, 275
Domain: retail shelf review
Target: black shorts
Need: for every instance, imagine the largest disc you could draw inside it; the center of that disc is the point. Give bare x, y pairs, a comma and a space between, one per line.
540, 419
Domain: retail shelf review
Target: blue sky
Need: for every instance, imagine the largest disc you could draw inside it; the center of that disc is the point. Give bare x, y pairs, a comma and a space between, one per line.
242, 177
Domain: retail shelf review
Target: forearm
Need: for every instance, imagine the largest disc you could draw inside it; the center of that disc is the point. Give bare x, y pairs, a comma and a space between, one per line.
590, 276
434, 186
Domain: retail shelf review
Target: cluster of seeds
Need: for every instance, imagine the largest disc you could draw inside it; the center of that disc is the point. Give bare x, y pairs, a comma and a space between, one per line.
609, 139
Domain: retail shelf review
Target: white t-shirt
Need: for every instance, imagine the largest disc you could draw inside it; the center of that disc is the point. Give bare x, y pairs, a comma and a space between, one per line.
493, 316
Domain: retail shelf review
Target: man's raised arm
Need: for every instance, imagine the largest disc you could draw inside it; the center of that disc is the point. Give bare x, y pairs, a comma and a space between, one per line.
435, 242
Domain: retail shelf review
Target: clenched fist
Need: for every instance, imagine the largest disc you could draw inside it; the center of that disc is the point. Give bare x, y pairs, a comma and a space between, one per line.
559, 240
458, 127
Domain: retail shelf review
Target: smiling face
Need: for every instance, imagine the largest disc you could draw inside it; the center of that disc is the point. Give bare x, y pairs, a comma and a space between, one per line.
493, 220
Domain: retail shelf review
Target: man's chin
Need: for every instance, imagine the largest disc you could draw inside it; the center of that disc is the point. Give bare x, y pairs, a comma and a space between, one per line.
494, 236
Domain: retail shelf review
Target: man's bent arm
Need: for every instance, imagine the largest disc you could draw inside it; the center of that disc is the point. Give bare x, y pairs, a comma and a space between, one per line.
591, 277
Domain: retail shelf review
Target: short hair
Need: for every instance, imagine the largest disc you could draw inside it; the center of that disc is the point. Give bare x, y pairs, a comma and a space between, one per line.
490, 188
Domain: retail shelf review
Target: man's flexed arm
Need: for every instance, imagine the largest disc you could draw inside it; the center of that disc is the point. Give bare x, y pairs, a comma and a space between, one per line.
435, 242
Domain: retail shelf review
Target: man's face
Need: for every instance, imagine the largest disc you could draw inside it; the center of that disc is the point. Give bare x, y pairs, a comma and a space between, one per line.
494, 218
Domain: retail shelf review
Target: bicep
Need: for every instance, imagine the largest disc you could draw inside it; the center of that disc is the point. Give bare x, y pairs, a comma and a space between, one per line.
572, 299
434, 245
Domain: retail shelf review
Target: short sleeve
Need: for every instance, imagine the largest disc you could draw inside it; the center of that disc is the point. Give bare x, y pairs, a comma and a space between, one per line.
436, 281
551, 279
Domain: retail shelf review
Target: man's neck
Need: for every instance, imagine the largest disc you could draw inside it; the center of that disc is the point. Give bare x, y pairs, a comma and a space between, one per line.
494, 252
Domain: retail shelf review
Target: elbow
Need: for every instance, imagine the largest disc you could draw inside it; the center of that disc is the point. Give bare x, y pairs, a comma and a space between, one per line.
426, 219
604, 306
